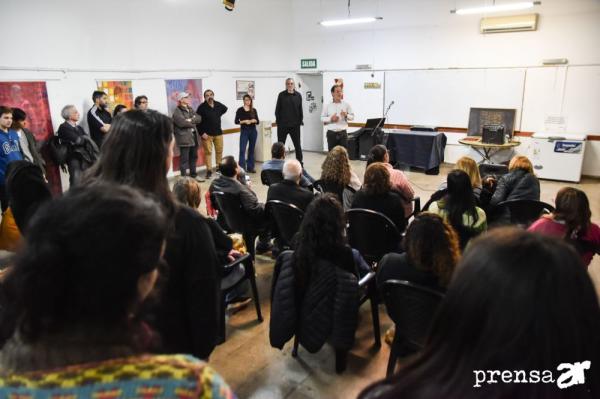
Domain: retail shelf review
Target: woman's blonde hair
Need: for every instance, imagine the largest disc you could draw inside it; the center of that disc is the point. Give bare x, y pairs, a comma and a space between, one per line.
520, 162
470, 167
187, 191
336, 166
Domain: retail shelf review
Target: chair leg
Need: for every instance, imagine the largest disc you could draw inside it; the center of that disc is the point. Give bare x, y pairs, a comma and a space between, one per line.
394, 352
341, 360
295, 348
223, 325
375, 316
252, 278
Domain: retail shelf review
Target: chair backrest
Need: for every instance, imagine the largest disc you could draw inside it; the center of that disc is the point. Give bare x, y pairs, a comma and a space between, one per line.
493, 169
329, 187
411, 307
372, 233
271, 176
287, 219
438, 195
525, 212
230, 206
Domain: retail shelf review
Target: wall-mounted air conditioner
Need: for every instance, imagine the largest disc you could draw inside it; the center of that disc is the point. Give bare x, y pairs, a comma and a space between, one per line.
514, 23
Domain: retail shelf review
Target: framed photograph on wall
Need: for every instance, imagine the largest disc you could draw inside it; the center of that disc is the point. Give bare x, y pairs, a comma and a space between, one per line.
243, 87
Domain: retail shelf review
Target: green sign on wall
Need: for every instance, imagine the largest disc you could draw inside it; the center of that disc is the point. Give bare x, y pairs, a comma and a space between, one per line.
308, 63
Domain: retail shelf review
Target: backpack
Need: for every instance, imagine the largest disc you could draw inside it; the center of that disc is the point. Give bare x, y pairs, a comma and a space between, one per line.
58, 150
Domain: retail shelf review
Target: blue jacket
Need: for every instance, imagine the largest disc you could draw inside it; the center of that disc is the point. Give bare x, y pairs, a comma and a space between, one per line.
9, 151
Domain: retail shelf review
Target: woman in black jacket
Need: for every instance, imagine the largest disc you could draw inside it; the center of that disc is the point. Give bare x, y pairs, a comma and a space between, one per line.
518, 184
188, 313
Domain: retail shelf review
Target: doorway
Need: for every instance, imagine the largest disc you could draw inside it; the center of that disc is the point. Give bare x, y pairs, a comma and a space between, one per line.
312, 106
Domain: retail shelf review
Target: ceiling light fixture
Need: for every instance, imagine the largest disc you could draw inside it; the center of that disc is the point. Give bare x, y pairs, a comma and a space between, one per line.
496, 8
349, 21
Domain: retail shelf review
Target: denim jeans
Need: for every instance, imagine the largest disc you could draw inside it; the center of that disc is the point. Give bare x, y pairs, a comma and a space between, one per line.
247, 139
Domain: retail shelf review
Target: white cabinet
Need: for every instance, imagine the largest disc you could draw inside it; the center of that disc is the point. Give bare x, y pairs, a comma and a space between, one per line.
557, 156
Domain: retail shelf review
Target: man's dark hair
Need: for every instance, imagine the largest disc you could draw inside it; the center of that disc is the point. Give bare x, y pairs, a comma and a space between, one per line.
206, 91
138, 101
228, 166
18, 115
376, 154
278, 150
5, 110
333, 88
97, 95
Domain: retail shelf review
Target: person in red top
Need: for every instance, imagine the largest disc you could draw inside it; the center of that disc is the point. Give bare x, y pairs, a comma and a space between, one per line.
572, 221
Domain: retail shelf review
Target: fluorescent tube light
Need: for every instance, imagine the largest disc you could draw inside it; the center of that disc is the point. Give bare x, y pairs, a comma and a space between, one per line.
496, 8
349, 21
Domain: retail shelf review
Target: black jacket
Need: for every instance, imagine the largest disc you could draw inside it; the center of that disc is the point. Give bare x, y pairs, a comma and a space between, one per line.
248, 198
96, 118
189, 314
390, 204
397, 267
326, 312
288, 110
290, 192
78, 143
516, 185
211, 118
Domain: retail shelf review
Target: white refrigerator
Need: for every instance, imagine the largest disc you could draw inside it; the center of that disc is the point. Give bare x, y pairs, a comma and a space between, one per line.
557, 156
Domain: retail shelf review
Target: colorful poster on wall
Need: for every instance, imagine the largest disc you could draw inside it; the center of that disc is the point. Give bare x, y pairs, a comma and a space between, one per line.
118, 92
32, 98
194, 87
243, 87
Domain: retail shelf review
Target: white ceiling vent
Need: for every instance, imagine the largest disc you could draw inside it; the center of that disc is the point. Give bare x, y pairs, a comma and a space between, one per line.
514, 23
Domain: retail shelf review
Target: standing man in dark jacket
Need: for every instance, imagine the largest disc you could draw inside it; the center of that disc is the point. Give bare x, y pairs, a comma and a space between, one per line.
29, 146
186, 134
73, 135
210, 129
289, 116
98, 117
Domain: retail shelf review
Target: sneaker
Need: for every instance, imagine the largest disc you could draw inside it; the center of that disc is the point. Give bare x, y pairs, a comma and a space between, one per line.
198, 179
238, 303
208, 174
251, 171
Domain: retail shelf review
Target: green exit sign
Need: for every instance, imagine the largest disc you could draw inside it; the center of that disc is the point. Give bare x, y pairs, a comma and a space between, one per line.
308, 63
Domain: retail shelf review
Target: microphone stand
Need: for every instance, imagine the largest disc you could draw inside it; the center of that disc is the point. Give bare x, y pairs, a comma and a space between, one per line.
382, 119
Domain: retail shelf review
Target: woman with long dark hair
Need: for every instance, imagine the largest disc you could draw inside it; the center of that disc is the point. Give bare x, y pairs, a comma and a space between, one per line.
502, 330
247, 117
571, 221
70, 322
459, 208
138, 152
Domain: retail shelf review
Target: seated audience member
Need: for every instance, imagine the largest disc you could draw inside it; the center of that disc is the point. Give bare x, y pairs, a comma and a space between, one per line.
518, 184
322, 270
502, 314
141, 103
81, 149
188, 314
29, 146
338, 177
27, 190
379, 153
9, 141
277, 161
118, 109
377, 194
432, 252
187, 191
289, 189
572, 222
459, 209
470, 167
70, 304
228, 182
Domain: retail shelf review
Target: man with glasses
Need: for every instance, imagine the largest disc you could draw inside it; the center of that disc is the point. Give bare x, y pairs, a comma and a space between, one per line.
141, 103
289, 116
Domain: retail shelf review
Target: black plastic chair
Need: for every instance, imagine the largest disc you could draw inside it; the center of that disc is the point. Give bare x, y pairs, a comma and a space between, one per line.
250, 275
438, 195
412, 308
523, 212
328, 187
286, 220
372, 233
341, 356
236, 219
271, 176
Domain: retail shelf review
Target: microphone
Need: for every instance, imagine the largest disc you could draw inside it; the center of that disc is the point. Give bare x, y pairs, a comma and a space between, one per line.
389, 106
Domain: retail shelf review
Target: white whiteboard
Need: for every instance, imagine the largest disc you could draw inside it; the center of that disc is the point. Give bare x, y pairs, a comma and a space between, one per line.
444, 97
572, 93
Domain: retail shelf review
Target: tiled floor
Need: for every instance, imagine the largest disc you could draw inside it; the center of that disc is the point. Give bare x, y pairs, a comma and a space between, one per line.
256, 370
